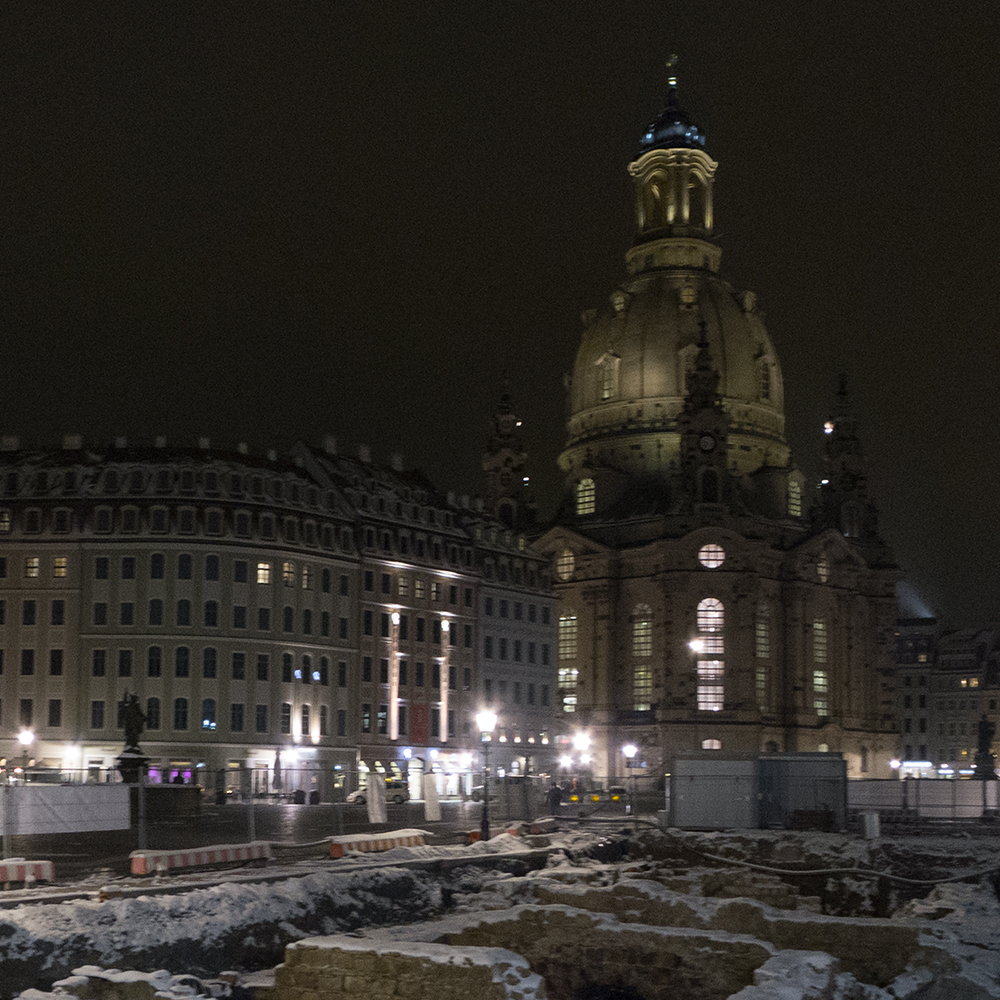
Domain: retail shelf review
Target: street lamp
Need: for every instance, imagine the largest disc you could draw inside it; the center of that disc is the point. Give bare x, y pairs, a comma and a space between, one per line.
25, 737
486, 721
630, 750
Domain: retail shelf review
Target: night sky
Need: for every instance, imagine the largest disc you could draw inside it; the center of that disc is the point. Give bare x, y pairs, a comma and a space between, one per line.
263, 222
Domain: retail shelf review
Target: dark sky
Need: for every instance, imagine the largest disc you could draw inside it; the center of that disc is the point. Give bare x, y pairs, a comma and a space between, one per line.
261, 222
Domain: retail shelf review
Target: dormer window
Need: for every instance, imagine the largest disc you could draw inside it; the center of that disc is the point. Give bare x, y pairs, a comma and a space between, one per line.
608, 375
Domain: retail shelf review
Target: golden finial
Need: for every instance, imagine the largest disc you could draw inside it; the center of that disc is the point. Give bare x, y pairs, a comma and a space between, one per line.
671, 65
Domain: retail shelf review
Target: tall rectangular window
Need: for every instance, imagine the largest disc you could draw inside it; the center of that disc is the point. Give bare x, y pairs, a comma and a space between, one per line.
642, 687
286, 717
260, 723
236, 717
97, 715
55, 712
567, 637
99, 662
55, 662
821, 692
819, 641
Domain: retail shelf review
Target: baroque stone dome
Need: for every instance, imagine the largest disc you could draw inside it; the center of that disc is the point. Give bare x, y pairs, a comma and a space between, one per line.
630, 377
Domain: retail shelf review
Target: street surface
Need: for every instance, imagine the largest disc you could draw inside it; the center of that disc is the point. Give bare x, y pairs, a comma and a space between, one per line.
290, 828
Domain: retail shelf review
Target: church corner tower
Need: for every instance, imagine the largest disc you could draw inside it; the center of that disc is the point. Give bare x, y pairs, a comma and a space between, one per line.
504, 458
702, 606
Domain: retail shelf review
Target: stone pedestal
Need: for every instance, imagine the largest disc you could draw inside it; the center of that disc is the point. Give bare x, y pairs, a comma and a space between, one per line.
131, 764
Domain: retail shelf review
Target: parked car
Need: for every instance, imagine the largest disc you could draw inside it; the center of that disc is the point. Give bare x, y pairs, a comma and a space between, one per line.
395, 791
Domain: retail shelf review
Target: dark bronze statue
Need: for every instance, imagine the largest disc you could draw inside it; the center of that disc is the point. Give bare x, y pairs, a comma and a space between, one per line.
134, 721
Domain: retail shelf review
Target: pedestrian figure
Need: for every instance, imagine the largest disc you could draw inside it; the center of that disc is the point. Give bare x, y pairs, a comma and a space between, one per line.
554, 799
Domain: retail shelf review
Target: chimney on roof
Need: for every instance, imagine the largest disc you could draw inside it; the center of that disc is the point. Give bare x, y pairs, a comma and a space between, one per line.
396, 461
121, 443
329, 445
463, 501
10, 442
451, 498
204, 444
160, 442
72, 442
364, 453
478, 505
272, 455
298, 461
242, 448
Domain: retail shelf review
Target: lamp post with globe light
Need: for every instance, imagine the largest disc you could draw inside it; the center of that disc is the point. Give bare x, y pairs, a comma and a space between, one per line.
630, 750
25, 737
486, 721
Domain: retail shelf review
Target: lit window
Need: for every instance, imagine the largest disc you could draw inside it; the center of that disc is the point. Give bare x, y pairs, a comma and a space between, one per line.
288, 574
819, 641
820, 692
4, 522
711, 556
823, 569
567, 637
567, 687
642, 631
60, 566
794, 498
642, 687
565, 564
31, 567
585, 496
263, 572
711, 744
709, 648
762, 632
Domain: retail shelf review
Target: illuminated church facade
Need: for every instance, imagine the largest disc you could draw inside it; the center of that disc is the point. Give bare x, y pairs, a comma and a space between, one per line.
708, 601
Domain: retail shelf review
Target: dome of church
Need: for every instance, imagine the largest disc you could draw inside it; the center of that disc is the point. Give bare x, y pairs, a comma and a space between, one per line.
672, 129
630, 376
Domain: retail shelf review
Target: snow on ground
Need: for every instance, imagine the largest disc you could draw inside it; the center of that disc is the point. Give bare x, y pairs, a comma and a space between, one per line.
243, 925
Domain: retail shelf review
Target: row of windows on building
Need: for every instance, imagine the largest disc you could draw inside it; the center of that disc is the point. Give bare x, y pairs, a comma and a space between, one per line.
308, 670
505, 650
238, 721
212, 482
708, 647
515, 609
438, 628
420, 674
213, 522
435, 590
586, 497
516, 692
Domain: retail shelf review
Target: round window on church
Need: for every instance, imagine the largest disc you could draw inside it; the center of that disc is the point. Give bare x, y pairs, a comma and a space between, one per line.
711, 556
565, 564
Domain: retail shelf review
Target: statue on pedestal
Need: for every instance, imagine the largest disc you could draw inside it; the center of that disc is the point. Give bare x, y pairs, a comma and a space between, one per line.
985, 758
131, 762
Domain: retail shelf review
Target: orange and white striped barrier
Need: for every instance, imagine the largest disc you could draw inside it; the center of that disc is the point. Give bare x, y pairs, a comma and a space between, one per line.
17, 870
339, 846
148, 862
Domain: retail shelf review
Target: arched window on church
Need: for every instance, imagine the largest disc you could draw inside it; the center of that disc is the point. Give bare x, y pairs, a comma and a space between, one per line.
709, 649
762, 650
608, 375
586, 496
697, 207
642, 650
764, 372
